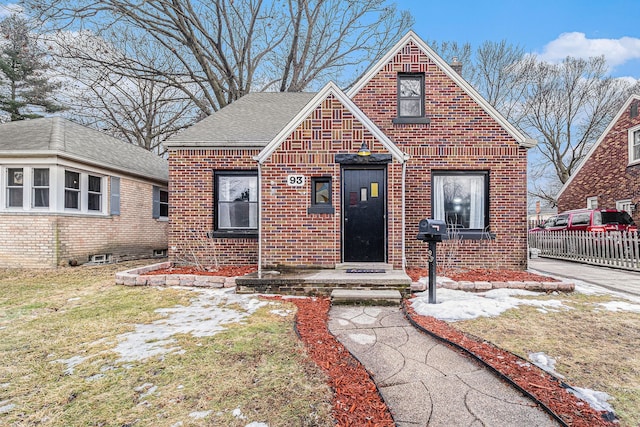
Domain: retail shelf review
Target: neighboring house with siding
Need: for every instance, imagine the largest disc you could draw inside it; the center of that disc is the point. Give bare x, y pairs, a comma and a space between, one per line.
70, 195
609, 176
321, 179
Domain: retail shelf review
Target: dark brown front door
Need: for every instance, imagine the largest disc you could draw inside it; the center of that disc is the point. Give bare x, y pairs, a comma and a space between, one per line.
364, 212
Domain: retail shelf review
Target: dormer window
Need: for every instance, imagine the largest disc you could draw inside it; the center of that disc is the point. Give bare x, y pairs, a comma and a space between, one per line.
410, 99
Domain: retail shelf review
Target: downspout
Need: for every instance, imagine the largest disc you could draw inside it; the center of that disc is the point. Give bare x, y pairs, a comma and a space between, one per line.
404, 236
259, 218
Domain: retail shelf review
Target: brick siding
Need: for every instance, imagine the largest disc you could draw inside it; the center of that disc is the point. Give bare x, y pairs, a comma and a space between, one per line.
607, 173
461, 136
48, 240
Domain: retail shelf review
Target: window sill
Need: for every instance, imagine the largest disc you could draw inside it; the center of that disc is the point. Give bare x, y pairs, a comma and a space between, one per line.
411, 120
252, 234
321, 209
470, 235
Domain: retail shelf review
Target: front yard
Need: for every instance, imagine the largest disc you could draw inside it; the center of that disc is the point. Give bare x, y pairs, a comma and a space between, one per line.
77, 350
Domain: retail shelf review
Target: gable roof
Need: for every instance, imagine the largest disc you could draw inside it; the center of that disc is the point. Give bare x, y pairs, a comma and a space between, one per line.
57, 136
330, 89
522, 139
250, 122
604, 134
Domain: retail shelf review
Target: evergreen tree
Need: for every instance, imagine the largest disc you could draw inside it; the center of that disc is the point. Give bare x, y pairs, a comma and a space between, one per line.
22, 71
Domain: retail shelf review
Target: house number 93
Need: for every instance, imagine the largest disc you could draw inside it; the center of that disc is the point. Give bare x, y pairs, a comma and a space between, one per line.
295, 180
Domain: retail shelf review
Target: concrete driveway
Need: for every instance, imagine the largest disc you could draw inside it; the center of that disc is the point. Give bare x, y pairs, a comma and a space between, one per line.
611, 278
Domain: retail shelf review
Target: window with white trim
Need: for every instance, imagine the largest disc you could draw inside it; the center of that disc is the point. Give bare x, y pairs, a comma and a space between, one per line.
94, 193
625, 205
40, 188
15, 187
634, 145
592, 202
71, 190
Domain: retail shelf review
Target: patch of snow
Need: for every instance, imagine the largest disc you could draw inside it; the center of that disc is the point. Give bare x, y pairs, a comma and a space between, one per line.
6, 407
596, 399
283, 313
198, 415
256, 424
363, 339
178, 424
545, 362
197, 319
74, 299
95, 377
71, 363
452, 305
620, 306
237, 413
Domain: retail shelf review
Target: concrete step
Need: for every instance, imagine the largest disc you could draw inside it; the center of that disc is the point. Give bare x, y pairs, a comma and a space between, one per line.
364, 296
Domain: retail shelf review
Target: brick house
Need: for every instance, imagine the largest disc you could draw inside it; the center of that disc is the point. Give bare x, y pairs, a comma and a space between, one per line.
609, 176
70, 194
321, 179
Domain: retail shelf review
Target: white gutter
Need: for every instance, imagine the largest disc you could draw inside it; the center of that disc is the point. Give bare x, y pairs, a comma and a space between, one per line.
259, 220
404, 235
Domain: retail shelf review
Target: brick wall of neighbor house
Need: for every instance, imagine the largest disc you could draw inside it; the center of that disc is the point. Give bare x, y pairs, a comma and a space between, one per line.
191, 195
460, 136
293, 237
606, 173
50, 240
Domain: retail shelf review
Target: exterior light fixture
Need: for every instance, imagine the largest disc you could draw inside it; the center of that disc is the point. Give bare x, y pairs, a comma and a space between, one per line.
364, 149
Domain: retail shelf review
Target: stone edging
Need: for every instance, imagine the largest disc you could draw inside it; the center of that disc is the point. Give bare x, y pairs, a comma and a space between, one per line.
137, 277
444, 282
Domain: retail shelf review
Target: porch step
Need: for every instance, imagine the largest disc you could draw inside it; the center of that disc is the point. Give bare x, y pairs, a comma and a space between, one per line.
368, 297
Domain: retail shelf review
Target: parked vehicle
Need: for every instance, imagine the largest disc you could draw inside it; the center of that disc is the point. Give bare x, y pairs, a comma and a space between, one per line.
596, 220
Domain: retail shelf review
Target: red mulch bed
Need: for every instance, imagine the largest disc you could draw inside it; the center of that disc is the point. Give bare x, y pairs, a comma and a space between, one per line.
481, 275
356, 400
226, 271
543, 386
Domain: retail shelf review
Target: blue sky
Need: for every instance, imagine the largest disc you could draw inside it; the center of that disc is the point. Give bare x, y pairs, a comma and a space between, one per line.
553, 29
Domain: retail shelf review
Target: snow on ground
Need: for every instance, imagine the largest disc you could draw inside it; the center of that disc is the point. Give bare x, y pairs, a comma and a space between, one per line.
206, 316
452, 305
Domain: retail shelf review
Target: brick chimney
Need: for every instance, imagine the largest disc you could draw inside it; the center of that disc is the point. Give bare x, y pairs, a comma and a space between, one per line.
456, 65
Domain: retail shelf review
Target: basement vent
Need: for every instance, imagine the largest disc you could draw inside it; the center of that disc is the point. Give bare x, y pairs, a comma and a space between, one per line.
100, 258
159, 253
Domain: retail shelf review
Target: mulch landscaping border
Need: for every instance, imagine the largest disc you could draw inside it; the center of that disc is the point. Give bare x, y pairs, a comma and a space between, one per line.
545, 389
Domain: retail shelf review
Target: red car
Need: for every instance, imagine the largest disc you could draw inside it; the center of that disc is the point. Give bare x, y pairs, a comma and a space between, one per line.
589, 220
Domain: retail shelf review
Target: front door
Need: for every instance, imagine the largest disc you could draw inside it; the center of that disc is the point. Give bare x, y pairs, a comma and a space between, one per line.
363, 199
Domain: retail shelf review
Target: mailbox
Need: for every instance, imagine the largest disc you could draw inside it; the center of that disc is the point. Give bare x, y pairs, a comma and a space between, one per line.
432, 230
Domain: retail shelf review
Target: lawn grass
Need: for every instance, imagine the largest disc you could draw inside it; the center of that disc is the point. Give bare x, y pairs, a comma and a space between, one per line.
594, 348
255, 370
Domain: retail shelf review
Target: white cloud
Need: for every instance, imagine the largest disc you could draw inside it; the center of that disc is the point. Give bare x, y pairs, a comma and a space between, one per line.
616, 51
9, 9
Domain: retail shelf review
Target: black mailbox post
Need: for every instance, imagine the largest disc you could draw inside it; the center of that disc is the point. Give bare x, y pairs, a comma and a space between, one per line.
432, 231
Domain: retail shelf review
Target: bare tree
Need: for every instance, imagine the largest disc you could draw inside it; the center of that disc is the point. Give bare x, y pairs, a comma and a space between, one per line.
132, 108
568, 106
224, 49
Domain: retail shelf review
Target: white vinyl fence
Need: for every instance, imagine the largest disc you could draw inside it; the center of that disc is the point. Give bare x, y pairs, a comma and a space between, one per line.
614, 249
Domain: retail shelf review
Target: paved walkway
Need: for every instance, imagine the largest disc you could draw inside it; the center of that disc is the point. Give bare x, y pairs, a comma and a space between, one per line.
425, 382
611, 278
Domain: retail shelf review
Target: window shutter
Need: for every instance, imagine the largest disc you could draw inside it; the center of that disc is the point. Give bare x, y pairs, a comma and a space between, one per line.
156, 202
115, 195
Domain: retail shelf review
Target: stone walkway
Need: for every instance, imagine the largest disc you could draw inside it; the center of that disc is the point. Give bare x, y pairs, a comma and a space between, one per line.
425, 382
